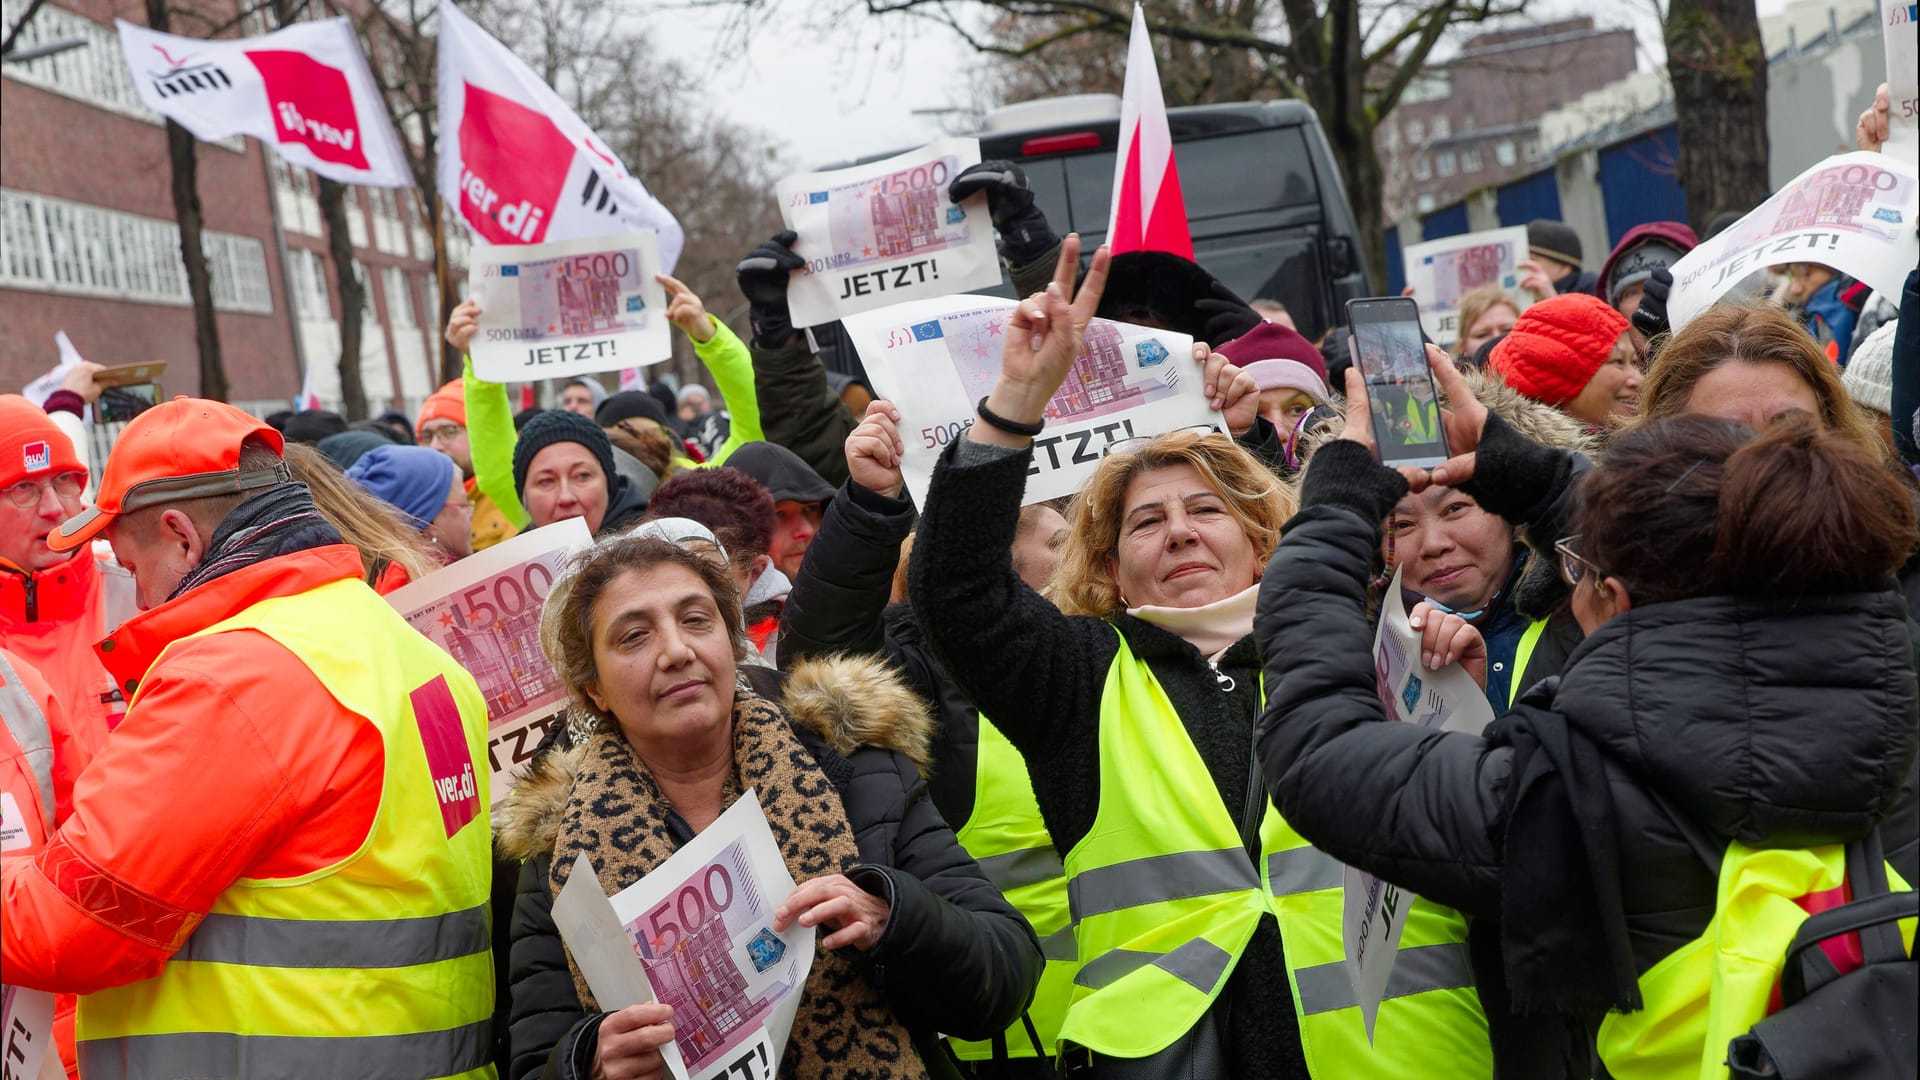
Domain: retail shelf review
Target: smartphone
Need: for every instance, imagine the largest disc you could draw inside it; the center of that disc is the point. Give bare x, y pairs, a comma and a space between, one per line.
1391, 353
130, 374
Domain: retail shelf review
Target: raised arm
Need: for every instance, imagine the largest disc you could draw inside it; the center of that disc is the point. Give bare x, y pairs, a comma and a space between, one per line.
800, 411
490, 433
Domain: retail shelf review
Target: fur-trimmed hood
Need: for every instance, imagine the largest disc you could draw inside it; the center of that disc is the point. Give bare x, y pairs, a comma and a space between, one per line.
849, 702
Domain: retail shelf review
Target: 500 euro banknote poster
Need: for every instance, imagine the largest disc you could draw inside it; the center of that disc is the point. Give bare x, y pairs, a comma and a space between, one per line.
1853, 212
935, 359
1443, 271
881, 233
572, 307
1376, 911
26, 1035
485, 612
697, 934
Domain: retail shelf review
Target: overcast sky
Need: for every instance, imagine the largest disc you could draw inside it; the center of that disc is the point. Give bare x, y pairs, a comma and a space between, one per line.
832, 89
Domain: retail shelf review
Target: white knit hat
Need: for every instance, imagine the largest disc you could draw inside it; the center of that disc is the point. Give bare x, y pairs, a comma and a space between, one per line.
1869, 374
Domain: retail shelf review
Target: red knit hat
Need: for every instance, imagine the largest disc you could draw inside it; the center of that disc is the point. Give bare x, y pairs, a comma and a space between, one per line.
1556, 346
31, 444
447, 403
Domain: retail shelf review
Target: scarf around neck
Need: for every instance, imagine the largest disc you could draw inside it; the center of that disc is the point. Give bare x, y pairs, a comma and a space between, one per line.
1211, 628
617, 816
278, 521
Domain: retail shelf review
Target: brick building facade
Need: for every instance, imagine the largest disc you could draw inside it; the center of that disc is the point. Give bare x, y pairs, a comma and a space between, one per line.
89, 244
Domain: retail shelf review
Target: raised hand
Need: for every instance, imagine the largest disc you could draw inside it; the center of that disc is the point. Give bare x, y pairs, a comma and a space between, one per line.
763, 276
1043, 337
1022, 225
1465, 419
1534, 279
1230, 392
874, 449
1875, 124
685, 309
1650, 318
463, 324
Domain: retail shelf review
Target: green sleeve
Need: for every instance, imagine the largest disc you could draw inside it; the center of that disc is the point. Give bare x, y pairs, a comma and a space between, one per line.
490, 439
726, 356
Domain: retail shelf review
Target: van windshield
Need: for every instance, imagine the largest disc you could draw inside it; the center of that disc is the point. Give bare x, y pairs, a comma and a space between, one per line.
1221, 176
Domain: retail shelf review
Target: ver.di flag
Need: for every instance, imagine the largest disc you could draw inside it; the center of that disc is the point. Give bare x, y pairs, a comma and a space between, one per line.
1148, 211
519, 164
304, 90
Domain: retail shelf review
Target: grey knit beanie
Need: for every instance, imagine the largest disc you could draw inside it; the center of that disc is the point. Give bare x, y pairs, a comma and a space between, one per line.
1869, 373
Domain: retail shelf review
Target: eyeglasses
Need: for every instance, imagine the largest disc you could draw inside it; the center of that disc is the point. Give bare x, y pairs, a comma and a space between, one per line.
1573, 565
1139, 442
67, 485
440, 433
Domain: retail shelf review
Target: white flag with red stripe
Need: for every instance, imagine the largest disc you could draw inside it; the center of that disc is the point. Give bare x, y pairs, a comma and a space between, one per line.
1148, 211
518, 164
304, 90
309, 398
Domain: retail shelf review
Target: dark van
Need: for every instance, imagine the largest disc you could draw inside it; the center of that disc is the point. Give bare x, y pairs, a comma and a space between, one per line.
1265, 205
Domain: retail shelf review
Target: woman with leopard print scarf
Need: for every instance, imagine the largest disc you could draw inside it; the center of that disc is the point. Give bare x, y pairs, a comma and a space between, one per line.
914, 940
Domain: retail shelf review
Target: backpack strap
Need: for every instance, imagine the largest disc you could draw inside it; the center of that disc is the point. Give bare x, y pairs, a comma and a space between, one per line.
1873, 914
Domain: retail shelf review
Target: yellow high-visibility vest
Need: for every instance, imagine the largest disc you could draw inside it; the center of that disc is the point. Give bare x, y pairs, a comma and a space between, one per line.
377, 966
1164, 900
1005, 835
1717, 986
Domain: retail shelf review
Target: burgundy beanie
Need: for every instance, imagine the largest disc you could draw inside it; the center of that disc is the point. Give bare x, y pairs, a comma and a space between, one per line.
1272, 341
1557, 345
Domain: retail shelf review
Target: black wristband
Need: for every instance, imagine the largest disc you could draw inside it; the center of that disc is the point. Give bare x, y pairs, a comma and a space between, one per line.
1011, 427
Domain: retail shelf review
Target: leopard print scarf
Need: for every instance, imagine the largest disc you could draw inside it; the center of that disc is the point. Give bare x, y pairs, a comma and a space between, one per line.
617, 816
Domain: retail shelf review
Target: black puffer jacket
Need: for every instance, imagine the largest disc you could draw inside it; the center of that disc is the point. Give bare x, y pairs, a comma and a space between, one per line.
955, 957
1780, 724
1040, 674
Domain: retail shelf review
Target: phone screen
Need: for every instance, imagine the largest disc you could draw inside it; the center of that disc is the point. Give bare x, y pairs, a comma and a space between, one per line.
1388, 348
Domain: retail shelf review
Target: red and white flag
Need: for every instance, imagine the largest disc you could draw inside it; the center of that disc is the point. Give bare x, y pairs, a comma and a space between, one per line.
309, 398
304, 90
519, 164
1148, 212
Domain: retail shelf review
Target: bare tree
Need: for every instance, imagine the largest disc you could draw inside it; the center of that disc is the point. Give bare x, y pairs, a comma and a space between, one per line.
184, 164
1718, 67
1350, 59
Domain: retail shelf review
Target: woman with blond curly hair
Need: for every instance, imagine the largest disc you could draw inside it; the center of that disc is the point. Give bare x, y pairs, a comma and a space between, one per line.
1208, 933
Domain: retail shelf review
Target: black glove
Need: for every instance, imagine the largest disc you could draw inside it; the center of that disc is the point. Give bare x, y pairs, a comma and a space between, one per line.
1650, 318
763, 277
1022, 226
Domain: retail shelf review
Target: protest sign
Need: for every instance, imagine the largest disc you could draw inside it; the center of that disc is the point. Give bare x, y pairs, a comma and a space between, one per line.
26, 1048
1448, 699
517, 164
1900, 24
885, 232
569, 307
1853, 212
1443, 271
304, 90
935, 359
485, 612
697, 934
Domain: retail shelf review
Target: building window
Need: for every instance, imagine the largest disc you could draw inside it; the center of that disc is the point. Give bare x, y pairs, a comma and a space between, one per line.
54, 245
1530, 146
1415, 131
1470, 160
1440, 127
1443, 162
1421, 170
399, 297
1503, 153
1425, 203
307, 273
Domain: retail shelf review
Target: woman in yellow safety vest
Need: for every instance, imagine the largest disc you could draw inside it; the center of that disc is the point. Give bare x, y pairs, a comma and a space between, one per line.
1207, 932
1748, 676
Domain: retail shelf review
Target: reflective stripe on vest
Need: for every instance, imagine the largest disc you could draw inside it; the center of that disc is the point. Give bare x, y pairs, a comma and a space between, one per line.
27, 724
378, 965
1165, 899
1521, 656
1716, 987
1006, 837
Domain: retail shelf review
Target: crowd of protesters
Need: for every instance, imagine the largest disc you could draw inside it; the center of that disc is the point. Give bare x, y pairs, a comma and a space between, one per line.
1068, 789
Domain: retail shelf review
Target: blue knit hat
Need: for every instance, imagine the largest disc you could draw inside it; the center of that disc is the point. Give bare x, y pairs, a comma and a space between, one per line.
412, 479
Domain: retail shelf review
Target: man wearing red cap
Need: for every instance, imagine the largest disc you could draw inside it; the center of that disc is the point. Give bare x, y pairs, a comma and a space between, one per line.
279, 864
55, 604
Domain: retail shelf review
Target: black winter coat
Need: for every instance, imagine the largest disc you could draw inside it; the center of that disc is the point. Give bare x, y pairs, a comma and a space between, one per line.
1778, 724
798, 408
1039, 674
839, 604
955, 957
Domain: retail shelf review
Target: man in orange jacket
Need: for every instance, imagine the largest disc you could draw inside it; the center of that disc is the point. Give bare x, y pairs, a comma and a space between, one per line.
38, 763
55, 604
279, 864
